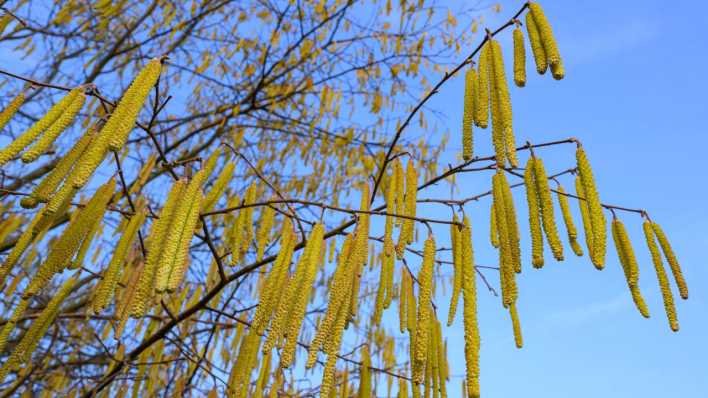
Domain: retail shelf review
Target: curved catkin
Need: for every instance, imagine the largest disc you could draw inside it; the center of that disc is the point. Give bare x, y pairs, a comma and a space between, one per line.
11, 109
534, 215
584, 213
568, 220
519, 58
545, 32
219, 187
597, 217
481, 112
31, 134
469, 295
546, 205
661, 275
51, 134
468, 114
106, 287
629, 264
539, 54
125, 114
516, 325
493, 232
671, 259
456, 240
425, 283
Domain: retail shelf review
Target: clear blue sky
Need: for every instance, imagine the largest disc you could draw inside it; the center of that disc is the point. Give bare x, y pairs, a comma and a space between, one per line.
635, 95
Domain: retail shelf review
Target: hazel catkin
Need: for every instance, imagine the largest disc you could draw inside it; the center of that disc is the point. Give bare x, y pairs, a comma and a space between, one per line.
481, 101
547, 212
595, 214
425, 282
671, 259
519, 58
629, 264
548, 41
661, 275
568, 221
539, 54
468, 114
455, 239
534, 214
469, 295
11, 109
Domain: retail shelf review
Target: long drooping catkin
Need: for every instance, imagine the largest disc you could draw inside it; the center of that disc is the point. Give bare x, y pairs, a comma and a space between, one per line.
516, 326
481, 101
519, 58
263, 233
584, 214
31, 134
539, 54
629, 264
11, 109
160, 228
568, 220
65, 247
511, 224
596, 216
671, 259
365, 374
493, 232
44, 190
469, 293
547, 213
399, 189
661, 275
11, 322
498, 139
407, 230
548, 41
60, 124
502, 99
456, 241
468, 114
219, 187
403, 301
534, 215
425, 283
106, 287
506, 258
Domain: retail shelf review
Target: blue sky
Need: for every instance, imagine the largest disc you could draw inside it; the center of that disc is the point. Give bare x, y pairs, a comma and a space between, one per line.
634, 94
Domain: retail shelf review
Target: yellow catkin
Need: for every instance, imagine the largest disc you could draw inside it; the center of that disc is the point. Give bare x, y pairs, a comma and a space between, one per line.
425, 282
456, 242
106, 287
568, 220
263, 233
51, 134
11, 109
539, 54
210, 163
160, 228
516, 326
469, 295
468, 114
12, 322
629, 264
584, 214
506, 256
481, 102
547, 213
498, 140
511, 224
400, 189
493, 232
548, 41
263, 375
4, 22
365, 374
31, 134
534, 214
661, 275
503, 102
671, 259
519, 58
597, 217
361, 247
219, 187
408, 228
403, 301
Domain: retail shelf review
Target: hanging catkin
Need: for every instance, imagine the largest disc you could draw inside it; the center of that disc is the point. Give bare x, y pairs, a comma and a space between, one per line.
399, 189
456, 241
539, 54
506, 258
498, 140
31, 134
59, 125
671, 259
468, 114
263, 233
469, 293
516, 326
519, 58
548, 41
596, 216
629, 264
493, 232
481, 101
546, 205
11, 109
365, 373
403, 301
106, 287
502, 99
584, 214
534, 214
511, 223
408, 228
661, 275
425, 282
568, 220
218, 188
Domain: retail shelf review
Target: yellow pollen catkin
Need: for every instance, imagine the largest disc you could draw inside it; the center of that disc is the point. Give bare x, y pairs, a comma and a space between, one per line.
498, 139
425, 282
506, 256
539, 54
548, 41
534, 215
629, 264
596, 216
519, 58
180, 260
511, 224
31, 134
568, 220
661, 275
51, 134
481, 102
468, 114
546, 206
456, 241
493, 232
218, 188
516, 325
365, 374
671, 259
584, 213
399, 189
408, 228
403, 302
263, 233
11, 109
469, 294
503, 100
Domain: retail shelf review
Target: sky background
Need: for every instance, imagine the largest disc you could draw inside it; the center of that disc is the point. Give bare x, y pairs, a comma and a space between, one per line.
634, 95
